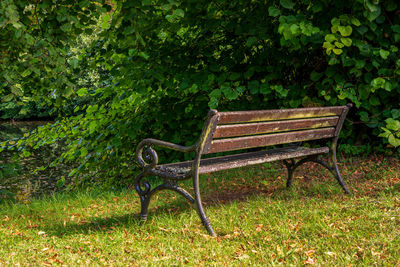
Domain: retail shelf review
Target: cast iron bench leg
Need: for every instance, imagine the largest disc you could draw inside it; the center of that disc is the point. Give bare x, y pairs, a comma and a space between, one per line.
146, 194
291, 167
199, 206
337, 173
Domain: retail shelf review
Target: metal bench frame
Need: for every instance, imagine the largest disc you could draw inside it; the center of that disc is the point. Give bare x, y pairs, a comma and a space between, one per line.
171, 174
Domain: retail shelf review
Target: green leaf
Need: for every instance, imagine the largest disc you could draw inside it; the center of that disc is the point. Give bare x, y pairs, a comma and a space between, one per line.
294, 29
345, 30
371, 16
179, 13
335, 22
231, 94
384, 53
395, 113
394, 141
82, 92
143, 55
360, 64
392, 124
194, 88
287, 4
346, 41
213, 103
371, 6
74, 63
330, 38
396, 28
339, 45
265, 89
170, 18
390, 5
17, 90
355, 22
8, 98
378, 82
273, 11
315, 76
216, 93
26, 73
388, 86
337, 51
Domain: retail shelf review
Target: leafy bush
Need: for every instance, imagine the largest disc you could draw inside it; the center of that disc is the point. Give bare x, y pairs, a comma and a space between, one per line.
162, 64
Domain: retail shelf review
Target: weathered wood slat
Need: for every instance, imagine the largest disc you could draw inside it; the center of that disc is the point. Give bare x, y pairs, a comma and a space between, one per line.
244, 159
277, 114
230, 144
259, 157
231, 130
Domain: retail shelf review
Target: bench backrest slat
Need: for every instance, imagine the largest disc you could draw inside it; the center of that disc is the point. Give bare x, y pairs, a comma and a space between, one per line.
229, 144
277, 114
230, 130
249, 129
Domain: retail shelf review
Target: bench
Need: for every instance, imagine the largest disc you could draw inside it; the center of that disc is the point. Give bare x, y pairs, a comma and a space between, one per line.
243, 130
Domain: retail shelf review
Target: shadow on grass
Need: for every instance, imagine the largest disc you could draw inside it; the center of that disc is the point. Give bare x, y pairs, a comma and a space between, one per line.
94, 224
161, 209
310, 181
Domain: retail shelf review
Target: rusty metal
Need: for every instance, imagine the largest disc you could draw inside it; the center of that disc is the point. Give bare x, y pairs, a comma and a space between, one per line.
277, 114
232, 130
230, 144
292, 166
174, 172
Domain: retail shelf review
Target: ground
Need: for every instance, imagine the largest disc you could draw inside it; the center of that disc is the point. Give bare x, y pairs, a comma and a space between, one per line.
257, 219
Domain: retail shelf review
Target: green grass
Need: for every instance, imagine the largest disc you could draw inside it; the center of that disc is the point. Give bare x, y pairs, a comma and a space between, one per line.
258, 220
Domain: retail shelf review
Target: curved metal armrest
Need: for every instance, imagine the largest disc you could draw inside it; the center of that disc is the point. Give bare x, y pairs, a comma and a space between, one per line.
151, 155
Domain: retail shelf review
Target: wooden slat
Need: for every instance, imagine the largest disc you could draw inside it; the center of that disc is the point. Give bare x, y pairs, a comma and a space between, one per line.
278, 114
243, 159
229, 144
231, 130
259, 157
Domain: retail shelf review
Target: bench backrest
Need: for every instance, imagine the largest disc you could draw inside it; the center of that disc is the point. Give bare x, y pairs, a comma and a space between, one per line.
248, 129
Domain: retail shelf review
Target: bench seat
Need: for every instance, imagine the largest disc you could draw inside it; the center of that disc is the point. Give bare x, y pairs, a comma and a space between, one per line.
240, 160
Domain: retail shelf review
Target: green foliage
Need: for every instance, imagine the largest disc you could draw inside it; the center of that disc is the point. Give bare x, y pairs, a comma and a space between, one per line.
36, 39
160, 65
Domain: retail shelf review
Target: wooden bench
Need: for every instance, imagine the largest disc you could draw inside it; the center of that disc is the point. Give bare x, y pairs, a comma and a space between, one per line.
239, 130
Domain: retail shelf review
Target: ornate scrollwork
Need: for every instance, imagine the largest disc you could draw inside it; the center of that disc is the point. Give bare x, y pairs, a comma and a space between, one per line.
142, 187
148, 157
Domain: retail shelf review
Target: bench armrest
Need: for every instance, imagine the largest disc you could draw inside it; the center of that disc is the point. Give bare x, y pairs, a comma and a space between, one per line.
149, 158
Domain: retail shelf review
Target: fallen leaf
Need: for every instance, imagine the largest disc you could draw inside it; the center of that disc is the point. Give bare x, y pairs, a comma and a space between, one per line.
310, 261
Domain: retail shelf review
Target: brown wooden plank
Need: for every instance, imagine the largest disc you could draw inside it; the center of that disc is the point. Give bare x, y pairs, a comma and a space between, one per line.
231, 130
229, 144
278, 114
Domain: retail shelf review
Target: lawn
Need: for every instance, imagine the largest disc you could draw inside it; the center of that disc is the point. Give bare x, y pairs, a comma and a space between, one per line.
258, 222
